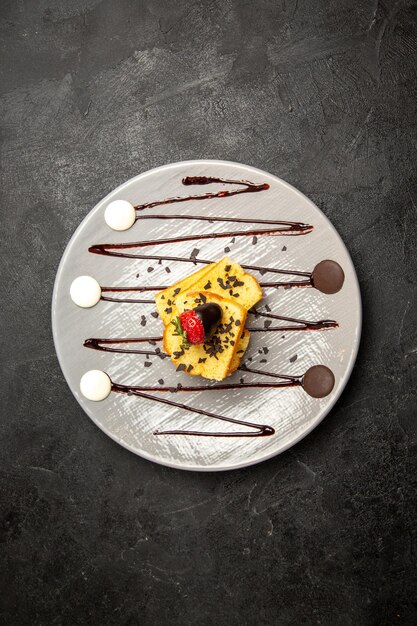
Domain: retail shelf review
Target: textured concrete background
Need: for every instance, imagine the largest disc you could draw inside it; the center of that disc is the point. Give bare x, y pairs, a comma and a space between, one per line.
321, 93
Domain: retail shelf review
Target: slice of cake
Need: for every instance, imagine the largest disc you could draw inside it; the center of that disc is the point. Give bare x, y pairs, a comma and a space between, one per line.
229, 280
213, 359
226, 278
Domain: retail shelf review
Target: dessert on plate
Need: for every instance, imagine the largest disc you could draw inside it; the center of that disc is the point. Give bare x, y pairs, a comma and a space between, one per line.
204, 317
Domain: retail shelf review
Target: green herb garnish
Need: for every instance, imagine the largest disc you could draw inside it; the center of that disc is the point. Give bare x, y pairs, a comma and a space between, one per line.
180, 332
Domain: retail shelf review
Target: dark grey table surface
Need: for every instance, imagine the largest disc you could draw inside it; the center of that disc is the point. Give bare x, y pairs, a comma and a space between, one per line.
320, 93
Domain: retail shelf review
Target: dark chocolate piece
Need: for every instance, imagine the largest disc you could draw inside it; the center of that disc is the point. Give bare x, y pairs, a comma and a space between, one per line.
318, 381
328, 277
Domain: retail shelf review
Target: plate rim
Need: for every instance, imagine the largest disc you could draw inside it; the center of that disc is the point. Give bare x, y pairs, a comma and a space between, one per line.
322, 414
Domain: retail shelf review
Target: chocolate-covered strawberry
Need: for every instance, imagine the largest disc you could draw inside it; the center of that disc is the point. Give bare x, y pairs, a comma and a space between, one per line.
198, 325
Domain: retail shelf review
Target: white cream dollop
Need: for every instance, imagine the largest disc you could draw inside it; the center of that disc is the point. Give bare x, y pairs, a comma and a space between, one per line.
85, 291
95, 385
120, 215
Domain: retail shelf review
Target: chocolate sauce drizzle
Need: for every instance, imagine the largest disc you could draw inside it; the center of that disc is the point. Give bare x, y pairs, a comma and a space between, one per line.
289, 381
104, 345
245, 187
120, 250
285, 227
128, 290
142, 289
260, 430
195, 261
288, 228
301, 324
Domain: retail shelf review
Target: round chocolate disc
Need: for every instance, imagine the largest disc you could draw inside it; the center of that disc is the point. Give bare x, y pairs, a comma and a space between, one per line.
328, 277
318, 381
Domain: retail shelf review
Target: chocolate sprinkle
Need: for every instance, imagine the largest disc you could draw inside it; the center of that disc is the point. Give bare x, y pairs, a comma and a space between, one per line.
168, 271
161, 381
293, 358
254, 240
267, 323
148, 363
267, 308
143, 321
150, 269
155, 314
227, 249
181, 367
284, 248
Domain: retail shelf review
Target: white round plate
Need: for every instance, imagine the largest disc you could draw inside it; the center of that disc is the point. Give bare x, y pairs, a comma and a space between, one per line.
131, 421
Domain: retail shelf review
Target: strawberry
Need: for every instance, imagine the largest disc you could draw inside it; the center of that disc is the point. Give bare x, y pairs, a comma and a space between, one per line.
192, 325
198, 325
